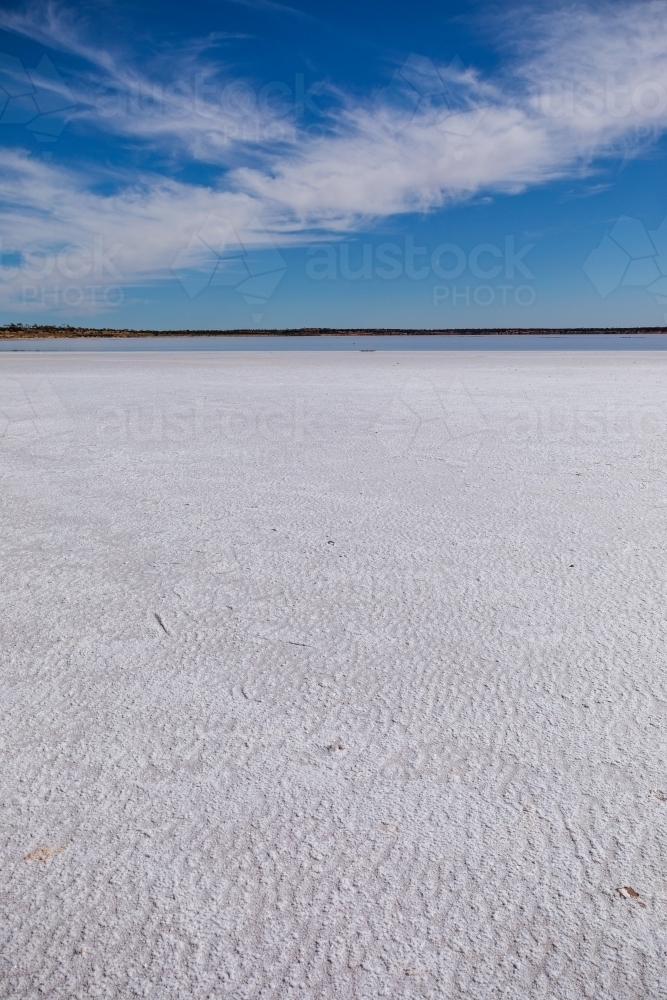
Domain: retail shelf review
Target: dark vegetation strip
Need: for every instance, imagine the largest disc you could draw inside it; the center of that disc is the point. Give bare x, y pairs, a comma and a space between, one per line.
17, 331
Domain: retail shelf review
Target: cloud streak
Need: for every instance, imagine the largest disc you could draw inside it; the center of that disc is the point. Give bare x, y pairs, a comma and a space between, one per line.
575, 88
274, 7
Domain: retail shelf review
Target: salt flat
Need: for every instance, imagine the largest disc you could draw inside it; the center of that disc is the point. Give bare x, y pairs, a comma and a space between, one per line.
333, 675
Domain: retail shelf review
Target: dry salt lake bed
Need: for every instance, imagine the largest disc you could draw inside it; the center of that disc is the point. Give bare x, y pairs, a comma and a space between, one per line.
334, 674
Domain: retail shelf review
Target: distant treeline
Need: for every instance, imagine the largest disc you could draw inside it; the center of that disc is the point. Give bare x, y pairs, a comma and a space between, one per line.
19, 331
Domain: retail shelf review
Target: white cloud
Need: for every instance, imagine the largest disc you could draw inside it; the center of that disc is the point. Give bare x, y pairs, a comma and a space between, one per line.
583, 84
43, 205
273, 7
576, 86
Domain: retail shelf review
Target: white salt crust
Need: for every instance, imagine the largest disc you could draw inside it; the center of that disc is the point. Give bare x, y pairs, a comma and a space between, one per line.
333, 676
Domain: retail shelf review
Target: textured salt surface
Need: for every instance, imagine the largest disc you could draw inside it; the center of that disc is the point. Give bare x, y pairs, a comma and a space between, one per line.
333, 676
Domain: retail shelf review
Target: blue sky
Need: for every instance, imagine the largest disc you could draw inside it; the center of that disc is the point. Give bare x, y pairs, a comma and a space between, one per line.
247, 163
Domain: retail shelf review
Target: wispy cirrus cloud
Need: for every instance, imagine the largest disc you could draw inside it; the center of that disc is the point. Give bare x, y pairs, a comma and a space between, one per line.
274, 7
579, 87
573, 89
56, 27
